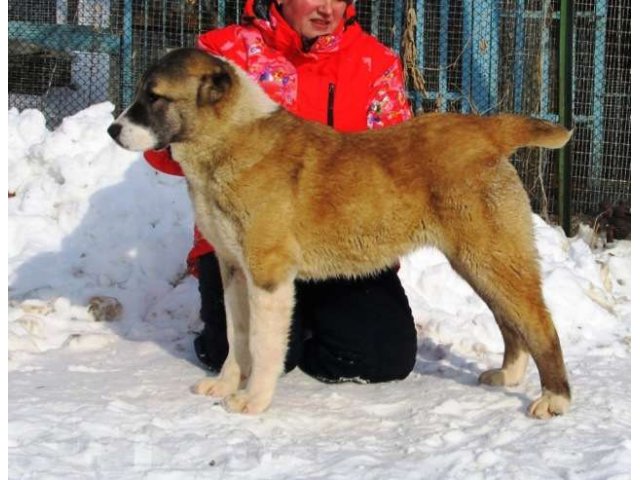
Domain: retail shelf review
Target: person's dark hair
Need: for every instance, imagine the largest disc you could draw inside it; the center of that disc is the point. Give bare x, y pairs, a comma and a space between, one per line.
261, 8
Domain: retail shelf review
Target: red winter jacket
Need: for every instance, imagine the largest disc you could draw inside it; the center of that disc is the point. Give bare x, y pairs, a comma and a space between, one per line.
347, 79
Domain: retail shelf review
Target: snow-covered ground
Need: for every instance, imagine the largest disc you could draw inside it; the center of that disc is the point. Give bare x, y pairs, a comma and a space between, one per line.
110, 399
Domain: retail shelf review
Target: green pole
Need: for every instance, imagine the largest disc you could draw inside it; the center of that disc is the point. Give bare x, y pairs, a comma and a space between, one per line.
565, 102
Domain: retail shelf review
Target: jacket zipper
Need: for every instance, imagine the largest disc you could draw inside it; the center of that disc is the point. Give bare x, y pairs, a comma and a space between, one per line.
332, 92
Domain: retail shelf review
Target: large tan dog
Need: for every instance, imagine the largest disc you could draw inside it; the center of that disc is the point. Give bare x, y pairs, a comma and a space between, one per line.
282, 198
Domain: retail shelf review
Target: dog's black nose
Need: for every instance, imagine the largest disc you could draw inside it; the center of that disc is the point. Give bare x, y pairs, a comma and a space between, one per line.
114, 130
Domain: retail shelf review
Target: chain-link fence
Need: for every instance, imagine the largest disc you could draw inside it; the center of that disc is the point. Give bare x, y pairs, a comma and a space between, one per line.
460, 55
602, 102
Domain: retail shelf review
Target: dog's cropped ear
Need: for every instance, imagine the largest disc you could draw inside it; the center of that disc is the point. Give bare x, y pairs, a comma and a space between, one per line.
213, 86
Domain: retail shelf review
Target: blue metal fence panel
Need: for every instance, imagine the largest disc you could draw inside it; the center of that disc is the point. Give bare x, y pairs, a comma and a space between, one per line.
545, 99
518, 68
420, 7
481, 26
467, 56
72, 37
375, 18
221, 11
398, 16
442, 100
471, 62
599, 78
127, 53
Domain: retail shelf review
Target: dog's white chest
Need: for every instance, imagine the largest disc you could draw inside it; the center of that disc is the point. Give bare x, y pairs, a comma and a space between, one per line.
217, 227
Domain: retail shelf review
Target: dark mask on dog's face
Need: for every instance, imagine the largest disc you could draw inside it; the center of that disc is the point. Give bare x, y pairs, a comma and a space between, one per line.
151, 122
181, 81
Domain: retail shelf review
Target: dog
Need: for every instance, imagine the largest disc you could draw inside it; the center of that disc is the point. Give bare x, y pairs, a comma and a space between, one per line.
284, 198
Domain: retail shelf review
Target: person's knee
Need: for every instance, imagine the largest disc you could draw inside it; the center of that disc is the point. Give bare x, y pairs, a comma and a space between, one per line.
405, 364
363, 361
399, 364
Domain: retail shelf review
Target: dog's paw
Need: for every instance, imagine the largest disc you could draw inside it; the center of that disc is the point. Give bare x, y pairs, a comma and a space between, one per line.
549, 405
214, 387
497, 377
242, 402
493, 378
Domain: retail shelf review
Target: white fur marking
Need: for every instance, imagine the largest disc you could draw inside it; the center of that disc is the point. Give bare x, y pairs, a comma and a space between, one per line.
268, 338
514, 372
133, 136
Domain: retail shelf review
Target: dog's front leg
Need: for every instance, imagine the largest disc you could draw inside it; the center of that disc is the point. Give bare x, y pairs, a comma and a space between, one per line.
237, 366
270, 314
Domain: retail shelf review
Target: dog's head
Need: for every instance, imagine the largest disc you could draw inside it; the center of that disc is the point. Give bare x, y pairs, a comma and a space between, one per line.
171, 98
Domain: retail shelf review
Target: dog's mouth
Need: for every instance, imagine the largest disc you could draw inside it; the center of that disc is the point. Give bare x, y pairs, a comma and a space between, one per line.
134, 137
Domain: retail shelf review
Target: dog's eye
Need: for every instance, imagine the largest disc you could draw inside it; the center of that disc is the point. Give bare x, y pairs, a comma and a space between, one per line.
152, 97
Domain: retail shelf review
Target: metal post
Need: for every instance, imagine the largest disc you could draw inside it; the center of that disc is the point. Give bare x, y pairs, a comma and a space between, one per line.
467, 65
145, 36
221, 12
420, 9
443, 53
545, 100
518, 68
397, 23
565, 102
375, 18
599, 79
494, 56
482, 27
127, 53
164, 25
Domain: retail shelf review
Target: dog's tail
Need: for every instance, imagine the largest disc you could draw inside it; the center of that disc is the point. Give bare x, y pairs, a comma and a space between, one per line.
518, 131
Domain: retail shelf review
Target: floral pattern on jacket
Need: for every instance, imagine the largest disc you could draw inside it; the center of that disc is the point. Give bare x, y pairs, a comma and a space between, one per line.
363, 78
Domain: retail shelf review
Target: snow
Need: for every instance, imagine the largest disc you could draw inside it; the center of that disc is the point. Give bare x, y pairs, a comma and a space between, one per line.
110, 399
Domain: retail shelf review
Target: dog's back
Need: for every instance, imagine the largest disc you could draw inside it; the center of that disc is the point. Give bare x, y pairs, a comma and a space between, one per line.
376, 195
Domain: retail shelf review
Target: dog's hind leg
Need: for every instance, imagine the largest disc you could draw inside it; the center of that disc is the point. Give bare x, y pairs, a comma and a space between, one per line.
271, 311
506, 277
237, 366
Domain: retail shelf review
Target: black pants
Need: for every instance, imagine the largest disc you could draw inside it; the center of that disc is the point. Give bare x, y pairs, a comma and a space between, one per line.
342, 329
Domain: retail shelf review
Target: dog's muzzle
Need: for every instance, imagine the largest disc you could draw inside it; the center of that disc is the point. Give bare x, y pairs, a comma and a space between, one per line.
132, 136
